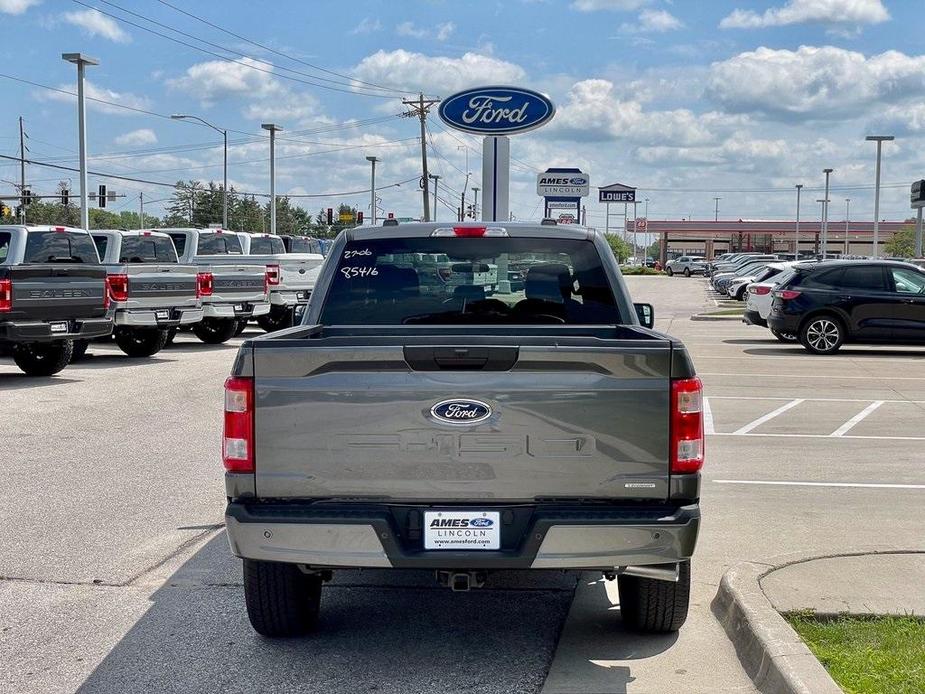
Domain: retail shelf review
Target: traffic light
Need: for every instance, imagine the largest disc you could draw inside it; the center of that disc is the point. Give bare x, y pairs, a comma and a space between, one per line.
101, 196
330, 216
359, 218
65, 196
26, 196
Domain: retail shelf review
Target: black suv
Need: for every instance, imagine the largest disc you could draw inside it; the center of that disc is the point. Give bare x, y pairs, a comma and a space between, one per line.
829, 303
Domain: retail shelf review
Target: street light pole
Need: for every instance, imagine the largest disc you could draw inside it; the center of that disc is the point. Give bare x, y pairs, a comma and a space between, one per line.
182, 116
716, 209
796, 235
81, 60
436, 179
879, 139
372, 188
475, 202
847, 217
272, 127
825, 215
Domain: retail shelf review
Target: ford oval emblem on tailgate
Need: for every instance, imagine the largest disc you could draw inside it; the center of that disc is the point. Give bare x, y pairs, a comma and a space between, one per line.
461, 411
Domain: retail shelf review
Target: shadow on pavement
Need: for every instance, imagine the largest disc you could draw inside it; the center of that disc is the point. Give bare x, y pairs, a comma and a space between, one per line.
18, 380
379, 631
797, 350
109, 360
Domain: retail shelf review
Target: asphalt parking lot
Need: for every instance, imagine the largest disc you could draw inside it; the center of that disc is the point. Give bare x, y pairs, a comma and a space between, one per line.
115, 575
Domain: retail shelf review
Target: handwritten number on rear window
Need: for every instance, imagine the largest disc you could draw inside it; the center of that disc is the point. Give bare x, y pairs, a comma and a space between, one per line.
357, 253
351, 272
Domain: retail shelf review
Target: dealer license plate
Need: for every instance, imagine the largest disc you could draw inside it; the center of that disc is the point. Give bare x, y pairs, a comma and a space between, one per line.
238, 308
59, 327
462, 530
162, 315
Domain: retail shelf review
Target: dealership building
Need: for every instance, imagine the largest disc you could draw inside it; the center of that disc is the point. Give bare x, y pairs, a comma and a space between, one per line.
708, 238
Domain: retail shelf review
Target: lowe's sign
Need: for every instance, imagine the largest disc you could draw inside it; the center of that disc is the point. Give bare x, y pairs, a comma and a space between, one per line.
496, 110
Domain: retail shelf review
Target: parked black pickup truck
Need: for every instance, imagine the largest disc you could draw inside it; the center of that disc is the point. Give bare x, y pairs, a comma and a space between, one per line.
425, 420
53, 290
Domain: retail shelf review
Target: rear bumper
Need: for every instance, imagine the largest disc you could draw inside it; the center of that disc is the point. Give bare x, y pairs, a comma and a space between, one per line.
40, 331
148, 318
536, 537
754, 318
242, 310
784, 323
289, 298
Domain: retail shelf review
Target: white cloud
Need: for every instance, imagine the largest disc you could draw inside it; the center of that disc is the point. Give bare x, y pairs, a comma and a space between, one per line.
435, 74
809, 12
656, 21
142, 136
16, 6
816, 82
441, 32
95, 23
610, 5
93, 91
367, 25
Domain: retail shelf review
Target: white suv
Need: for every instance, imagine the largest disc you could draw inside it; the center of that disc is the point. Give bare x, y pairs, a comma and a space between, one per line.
686, 265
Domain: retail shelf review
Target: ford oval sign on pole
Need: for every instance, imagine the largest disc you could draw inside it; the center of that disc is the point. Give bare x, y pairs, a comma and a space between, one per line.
496, 112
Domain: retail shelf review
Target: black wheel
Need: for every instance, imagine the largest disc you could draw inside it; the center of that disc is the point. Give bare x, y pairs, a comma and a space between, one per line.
171, 335
669, 271
214, 331
277, 319
655, 607
43, 358
687, 272
79, 350
823, 334
281, 600
141, 342
740, 294
789, 338
242, 326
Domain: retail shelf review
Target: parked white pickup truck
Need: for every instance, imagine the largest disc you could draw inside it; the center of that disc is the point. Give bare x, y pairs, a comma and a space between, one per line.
292, 277
233, 288
150, 290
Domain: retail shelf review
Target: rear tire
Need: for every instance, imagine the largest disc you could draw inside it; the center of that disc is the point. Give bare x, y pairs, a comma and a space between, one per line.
277, 319
822, 334
651, 606
788, 338
79, 350
215, 331
141, 342
687, 272
242, 326
171, 335
43, 358
281, 600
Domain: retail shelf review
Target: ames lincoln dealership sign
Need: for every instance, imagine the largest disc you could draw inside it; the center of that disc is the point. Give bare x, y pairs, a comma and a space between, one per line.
563, 185
496, 110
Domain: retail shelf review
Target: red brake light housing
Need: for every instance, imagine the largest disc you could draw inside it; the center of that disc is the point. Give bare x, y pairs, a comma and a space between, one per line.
272, 275
686, 425
6, 296
786, 294
238, 434
118, 287
760, 291
204, 284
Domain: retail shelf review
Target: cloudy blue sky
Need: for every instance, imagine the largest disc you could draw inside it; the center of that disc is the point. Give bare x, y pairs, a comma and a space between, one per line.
738, 99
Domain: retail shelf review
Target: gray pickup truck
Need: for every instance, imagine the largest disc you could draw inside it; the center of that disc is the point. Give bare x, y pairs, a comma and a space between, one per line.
233, 288
542, 427
151, 292
53, 291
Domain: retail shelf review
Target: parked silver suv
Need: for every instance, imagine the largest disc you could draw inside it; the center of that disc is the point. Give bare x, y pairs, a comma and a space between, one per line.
686, 265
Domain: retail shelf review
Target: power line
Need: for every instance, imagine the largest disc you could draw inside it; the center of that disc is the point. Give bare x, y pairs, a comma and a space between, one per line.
227, 50
280, 53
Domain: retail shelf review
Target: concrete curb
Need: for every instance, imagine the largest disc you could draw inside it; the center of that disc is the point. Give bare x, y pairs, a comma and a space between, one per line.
706, 316
771, 652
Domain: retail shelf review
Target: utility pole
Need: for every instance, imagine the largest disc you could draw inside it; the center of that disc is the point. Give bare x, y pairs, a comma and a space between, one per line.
462, 206
879, 139
796, 237
22, 174
141, 209
825, 215
716, 209
847, 217
475, 203
372, 188
420, 108
436, 179
81, 61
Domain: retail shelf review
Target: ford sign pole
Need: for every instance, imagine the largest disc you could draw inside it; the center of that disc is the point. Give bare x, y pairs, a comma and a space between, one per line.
496, 112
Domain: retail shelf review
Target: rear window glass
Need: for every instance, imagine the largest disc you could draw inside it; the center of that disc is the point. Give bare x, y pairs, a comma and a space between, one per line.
864, 277
179, 242
101, 243
60, 247
303, 245
827, 279
147, 249
5, 238
219, 244
433, 281
267, 246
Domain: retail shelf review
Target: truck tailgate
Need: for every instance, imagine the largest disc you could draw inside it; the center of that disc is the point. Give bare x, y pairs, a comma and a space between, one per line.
234, 282
156, 285
569, 418
56, 292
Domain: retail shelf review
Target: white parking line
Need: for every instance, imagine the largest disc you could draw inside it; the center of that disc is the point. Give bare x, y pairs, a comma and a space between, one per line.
825, 436
775, 397
862, 485
767, 417
708, 427
847, 426
804, 377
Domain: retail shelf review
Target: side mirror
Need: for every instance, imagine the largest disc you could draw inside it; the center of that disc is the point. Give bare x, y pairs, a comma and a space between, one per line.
646, 315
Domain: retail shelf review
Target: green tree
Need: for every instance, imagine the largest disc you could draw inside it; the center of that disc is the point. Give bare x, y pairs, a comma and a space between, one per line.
621, 249
902, 244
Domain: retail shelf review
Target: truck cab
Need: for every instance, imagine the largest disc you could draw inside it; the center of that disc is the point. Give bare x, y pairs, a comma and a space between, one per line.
53, 290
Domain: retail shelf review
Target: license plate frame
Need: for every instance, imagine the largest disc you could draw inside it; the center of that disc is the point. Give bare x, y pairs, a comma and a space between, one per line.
58, 327
453, 530
239, 308
162, 315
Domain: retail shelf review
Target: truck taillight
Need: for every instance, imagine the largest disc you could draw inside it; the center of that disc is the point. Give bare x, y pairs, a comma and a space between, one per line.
6, 296
118, 287
272, 275
686, 425
204, 284
238, 435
